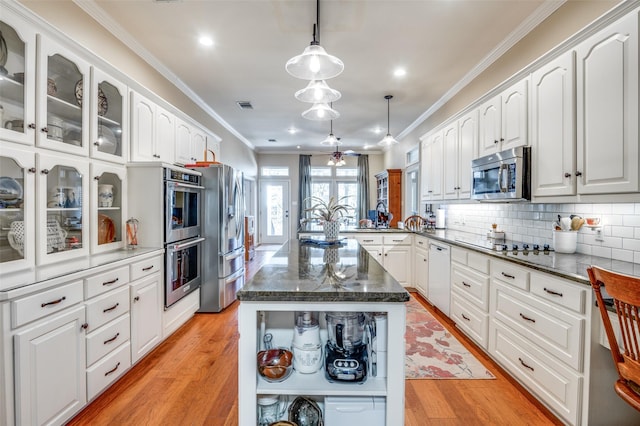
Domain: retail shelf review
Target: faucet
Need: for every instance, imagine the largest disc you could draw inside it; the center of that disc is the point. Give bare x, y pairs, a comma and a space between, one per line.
384, 206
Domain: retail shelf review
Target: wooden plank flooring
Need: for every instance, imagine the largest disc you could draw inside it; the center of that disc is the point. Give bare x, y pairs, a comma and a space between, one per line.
191, 379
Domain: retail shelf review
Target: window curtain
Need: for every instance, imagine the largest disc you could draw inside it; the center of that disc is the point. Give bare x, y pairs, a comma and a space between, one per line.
304, 189
363, 186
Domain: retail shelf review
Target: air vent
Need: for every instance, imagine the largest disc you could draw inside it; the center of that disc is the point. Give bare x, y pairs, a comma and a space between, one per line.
244, 104
271, 140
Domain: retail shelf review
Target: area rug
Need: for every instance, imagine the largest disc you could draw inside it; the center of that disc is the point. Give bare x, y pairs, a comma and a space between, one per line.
432, 352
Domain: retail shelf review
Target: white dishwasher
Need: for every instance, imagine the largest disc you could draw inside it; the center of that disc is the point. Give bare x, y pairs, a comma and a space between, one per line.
440, 276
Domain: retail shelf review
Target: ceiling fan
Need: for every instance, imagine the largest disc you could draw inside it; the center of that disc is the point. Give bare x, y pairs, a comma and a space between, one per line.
336, 158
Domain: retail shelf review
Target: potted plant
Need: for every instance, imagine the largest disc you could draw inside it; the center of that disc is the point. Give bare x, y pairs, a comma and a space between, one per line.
328, 214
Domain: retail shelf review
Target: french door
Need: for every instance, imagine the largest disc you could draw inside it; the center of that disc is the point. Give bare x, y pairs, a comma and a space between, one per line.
274, 212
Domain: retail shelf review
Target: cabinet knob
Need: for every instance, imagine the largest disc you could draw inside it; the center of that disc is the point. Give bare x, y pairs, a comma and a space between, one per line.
84, 326
567, 175
96, 143
578, 173
135, 299
44, 130
32, 125
495, 141
96, 178
31, 169
501, 139
44, 171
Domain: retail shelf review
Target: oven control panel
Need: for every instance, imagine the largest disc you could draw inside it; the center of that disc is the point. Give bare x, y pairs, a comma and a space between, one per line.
180, 176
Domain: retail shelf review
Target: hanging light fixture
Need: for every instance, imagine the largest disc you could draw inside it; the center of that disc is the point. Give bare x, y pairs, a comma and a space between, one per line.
320, 112
388, 140
331, 140
314, 63
317, 91
336, 159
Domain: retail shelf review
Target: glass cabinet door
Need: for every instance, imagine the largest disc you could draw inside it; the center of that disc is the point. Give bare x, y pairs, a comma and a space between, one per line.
62, 78
17, 209
17, 80
108, 192
109, 112
62, 221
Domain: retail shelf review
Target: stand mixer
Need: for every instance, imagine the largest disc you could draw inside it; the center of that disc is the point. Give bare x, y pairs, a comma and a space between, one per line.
346, 350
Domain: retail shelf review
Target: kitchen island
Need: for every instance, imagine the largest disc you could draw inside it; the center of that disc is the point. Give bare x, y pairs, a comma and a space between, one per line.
307, 276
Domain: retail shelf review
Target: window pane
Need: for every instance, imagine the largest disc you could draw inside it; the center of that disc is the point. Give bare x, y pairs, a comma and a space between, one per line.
349, 190
412, 156
321, 190
274, 171
346, 172
275, 210
414, 203
321, 171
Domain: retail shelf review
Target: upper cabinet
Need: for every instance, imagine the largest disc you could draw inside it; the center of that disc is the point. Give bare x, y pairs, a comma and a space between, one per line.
191, 143
109, 118
503, 120
553, 128
62, 112
431, 165
460, 147
152, 131
607, 109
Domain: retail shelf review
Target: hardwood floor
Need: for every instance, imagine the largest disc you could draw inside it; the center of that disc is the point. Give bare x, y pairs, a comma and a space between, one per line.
191, 379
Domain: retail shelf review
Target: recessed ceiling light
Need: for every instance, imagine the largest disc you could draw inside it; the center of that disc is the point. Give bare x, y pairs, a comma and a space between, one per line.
292, 130
298, 146
206, 41
399, 72
377, 130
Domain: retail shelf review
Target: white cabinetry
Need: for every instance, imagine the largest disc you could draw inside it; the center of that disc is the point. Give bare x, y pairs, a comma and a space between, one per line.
460, 147
146, 312
431, 165
191, 143
108, 221
470, 294
440, 276
538, 331
421, 265
50, 384
152, 131
607, 106
392, 251
503, 120
553, 127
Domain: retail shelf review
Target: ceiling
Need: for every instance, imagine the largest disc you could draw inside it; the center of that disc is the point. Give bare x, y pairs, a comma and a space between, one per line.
440, 44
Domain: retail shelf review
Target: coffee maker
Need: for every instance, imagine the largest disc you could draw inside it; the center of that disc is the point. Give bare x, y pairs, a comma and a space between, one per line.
346, 349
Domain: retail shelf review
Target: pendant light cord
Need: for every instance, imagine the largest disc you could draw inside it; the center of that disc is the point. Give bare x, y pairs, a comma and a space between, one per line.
318, 18
388, 98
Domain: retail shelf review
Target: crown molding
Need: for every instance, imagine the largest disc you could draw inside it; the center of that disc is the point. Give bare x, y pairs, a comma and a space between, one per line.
97, 13
535, 19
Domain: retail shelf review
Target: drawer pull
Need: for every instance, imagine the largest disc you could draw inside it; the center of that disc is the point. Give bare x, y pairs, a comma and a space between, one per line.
526, 318
397, 241
504, 274
367, 241
112, 339
112, 370
555, 293
465, 284
104, 311
115, 280
465, 317
148, 268
55, 302
525, 365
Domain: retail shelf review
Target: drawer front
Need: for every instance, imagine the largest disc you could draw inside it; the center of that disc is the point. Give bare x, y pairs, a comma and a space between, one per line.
106, 281
473, 285
510, 274
459, 255
370, 239
45, 303
146, 267
107, 338
559, 292
554, 330
421, 242
478, 262
107, 307
471, 320
558, 386
108, 370
396, 239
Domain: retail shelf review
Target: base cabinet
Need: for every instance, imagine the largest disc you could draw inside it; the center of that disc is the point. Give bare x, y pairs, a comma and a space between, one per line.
146, 315
421, 265
392, 251
50, 359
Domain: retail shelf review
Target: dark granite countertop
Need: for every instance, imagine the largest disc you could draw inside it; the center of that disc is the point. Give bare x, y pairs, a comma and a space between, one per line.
569, 266
308, 272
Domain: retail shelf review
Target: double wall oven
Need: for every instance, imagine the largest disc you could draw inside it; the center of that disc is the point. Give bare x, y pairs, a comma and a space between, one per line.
183, 233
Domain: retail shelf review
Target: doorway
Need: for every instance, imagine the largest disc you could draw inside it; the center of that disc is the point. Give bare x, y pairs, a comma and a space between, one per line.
274, 212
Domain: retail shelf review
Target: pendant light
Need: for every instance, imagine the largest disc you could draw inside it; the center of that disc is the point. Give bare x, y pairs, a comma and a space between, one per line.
331, 140
314, 63
317, 91
388, 140
336, 159
320, 112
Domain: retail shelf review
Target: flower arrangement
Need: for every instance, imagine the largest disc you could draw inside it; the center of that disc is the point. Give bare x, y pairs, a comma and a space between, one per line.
330, 211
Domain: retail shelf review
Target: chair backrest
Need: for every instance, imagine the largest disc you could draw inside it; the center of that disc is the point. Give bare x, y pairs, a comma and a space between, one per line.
625, 291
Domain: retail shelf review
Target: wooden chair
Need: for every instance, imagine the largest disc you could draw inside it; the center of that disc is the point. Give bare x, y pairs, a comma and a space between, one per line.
625, 291
414, 223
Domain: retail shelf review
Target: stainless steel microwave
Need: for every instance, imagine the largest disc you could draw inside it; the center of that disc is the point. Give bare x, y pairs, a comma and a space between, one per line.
504, 176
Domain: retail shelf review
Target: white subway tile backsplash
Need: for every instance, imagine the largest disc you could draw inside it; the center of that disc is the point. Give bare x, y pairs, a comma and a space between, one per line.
620, 231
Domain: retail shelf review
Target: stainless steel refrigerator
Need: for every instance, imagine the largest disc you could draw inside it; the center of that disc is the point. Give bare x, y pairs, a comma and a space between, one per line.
223, 230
